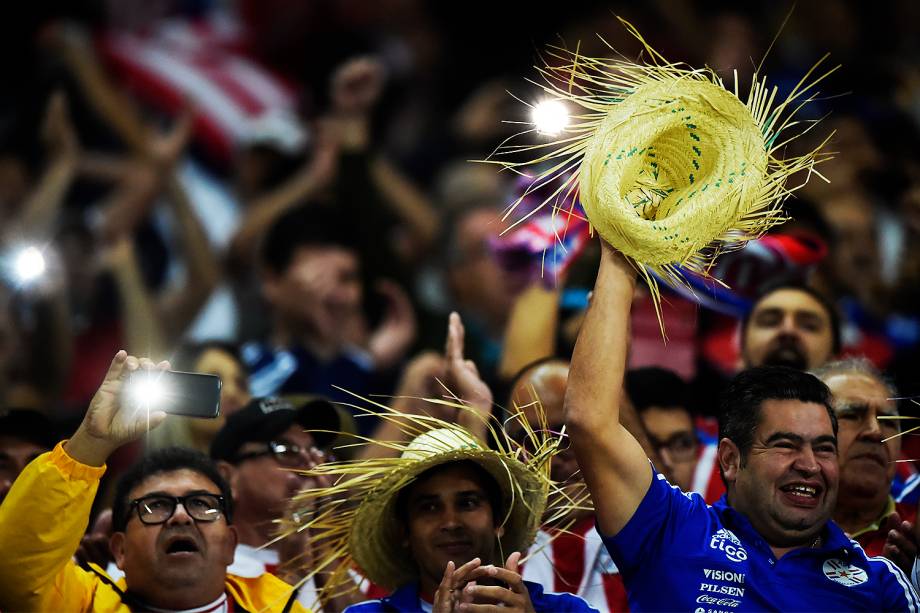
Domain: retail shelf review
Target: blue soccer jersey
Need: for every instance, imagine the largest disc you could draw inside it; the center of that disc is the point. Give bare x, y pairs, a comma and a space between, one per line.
679, 554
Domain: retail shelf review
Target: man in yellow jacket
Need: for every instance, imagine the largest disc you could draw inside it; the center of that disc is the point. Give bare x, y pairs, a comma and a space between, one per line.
173, 533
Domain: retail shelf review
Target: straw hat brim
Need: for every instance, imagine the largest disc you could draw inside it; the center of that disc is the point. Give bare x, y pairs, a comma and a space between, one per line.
376, 538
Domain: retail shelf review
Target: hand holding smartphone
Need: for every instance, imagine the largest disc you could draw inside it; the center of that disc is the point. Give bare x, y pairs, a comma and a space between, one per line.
190, 394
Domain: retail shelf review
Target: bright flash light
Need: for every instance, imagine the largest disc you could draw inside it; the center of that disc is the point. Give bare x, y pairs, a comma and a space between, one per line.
29, 264
550, 117
147, 390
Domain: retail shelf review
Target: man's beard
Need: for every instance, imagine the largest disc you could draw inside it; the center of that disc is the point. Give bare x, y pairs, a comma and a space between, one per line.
786, 353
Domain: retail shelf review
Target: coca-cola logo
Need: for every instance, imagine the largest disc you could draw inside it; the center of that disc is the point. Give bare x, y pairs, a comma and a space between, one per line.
720, 602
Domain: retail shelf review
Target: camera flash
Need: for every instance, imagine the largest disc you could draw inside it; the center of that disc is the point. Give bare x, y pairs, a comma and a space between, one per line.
148, 390
550, 117
29, 264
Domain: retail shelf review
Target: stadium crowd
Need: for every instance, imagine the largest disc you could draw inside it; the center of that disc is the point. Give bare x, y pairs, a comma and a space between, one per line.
281, 194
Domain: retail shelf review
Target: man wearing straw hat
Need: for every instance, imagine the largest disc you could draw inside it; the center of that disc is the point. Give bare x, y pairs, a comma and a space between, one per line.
442, 522
439, 528
769, 543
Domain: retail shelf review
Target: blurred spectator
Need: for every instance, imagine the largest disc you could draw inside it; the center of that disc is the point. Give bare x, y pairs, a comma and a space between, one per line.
790, 325
312, 279
661, 398
450, 377
259, 451
215, 358
481, 290
567, 554
24, 435
869, 447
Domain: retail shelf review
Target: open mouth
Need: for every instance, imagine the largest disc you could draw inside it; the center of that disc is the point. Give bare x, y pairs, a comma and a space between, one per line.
802, 494
181, 545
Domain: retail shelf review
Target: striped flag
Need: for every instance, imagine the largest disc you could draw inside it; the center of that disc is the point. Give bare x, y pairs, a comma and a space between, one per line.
235, 99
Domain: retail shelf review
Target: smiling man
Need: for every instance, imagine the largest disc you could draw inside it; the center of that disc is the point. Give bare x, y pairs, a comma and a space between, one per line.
769, 543
869, 445
440, 524
172, 519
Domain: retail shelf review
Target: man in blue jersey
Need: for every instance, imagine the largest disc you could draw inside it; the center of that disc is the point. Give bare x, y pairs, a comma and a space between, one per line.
769, 542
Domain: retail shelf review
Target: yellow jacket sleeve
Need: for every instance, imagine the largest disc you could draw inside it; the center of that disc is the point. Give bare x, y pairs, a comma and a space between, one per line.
42, 520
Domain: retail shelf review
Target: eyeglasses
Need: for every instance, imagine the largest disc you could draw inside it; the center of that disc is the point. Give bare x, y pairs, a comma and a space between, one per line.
286, 454
158, 508
680, 446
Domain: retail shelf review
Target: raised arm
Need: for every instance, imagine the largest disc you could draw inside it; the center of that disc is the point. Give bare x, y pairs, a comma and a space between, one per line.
613, 464
45, 513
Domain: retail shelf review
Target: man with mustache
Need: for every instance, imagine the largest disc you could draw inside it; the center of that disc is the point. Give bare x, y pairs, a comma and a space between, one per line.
868, 447
172, 513
769, 543
790, 325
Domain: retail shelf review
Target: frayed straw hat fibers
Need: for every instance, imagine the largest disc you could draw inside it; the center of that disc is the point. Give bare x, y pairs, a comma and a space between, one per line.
376, 537
671, 167
355, 517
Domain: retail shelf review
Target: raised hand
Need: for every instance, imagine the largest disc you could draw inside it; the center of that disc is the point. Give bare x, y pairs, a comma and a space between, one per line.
356, 86
110, 422
58, 133
900, 543
462, 375
389, 342
447, 596
420, 380
512, 596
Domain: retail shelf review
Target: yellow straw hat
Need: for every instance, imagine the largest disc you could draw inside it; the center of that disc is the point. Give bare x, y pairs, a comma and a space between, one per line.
671, 167
376, 534
357, 520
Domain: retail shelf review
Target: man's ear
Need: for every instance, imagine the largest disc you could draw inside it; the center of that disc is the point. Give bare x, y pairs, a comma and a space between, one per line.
117, 547
729, 459
229, 472
499, 531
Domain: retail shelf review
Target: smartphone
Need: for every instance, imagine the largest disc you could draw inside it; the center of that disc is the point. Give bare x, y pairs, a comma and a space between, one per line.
191, 394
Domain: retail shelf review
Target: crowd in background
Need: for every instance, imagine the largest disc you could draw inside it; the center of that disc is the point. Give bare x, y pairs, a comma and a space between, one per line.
281, 193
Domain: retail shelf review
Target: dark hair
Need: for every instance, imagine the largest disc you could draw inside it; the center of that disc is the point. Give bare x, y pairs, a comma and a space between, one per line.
742, 401
656, 387
493, 491
829, 307
805, 212
189, 353
166, 460
304, 226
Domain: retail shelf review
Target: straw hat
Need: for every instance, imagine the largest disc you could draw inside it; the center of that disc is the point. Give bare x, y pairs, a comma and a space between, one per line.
671, 167
375, 540
355, 517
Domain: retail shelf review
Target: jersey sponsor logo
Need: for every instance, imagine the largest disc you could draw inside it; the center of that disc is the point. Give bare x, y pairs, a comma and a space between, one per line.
723, 575
719, 602
728, 590
843, 573
724, 540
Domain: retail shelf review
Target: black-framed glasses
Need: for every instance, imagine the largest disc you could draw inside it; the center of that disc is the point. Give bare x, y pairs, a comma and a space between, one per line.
286, 454
681, 446
158, 508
